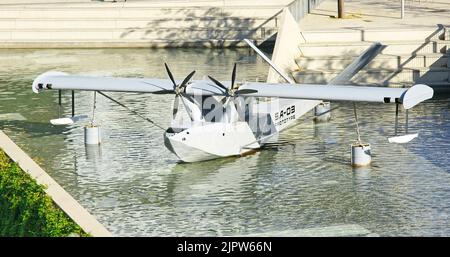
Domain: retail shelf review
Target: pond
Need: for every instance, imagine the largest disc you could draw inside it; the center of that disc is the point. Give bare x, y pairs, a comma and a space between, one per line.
136, 187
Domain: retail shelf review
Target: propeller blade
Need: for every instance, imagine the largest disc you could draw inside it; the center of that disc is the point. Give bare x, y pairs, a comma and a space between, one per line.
233, 76
224, 100
218, 83
170, 76
186, 80
227, 101
175, 106
246, 91
162, 92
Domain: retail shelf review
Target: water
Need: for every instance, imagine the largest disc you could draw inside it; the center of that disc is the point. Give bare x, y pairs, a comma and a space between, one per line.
135, 186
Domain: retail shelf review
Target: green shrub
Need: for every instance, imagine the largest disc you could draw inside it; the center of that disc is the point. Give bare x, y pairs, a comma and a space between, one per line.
25, 208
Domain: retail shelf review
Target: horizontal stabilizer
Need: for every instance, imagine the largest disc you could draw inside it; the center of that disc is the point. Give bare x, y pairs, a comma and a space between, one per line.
357, 64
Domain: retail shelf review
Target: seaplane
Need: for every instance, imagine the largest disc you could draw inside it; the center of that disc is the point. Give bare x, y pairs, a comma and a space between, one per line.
232, 118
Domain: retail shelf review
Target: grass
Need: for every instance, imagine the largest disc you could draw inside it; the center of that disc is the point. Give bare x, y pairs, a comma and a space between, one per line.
25, 208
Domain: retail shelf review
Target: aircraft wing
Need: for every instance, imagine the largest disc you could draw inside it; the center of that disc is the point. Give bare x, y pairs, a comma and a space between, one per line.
63, 81
409, 97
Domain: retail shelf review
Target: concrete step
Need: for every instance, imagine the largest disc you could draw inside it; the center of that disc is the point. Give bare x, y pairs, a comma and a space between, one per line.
374, 35
122, 23
123, 43
134, 34
58, 4
140, 12
16, 2
440, 86
447, 32
381, 61
355, 48
378, 76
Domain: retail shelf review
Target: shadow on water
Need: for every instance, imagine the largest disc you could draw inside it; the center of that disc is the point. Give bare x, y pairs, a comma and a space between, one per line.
34, 129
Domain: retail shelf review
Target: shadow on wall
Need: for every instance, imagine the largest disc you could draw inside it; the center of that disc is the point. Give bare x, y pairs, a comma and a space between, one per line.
331, 67
206, 27
429, 62
440, 63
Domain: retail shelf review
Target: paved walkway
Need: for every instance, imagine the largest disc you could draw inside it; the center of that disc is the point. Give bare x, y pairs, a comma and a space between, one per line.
146, 3
378, 14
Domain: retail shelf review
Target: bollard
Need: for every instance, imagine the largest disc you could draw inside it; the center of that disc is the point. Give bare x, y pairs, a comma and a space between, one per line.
92, 135
360, 154
322, 112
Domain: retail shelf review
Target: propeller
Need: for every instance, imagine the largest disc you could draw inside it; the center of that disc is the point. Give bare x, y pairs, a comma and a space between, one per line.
233, 90
179, 90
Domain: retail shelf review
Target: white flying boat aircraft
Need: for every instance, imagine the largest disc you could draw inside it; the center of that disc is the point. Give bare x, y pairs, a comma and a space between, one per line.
231, 118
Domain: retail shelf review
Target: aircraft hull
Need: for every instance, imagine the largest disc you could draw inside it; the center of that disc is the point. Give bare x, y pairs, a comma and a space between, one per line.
211, 141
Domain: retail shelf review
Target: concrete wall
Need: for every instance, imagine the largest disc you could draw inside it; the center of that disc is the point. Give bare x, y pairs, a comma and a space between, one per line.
42, 1
138, 24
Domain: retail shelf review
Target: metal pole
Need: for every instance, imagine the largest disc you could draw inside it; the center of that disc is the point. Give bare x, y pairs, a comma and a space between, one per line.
284, 76
340, 9
93, 109
59, 103
403, 8
406, 125
396, 118
356, 121
73, 103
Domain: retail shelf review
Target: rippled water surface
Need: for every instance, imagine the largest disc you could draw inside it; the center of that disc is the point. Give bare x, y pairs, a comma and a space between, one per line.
134, 186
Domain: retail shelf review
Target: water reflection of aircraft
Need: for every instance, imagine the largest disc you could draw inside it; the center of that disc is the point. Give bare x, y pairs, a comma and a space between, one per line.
235, 118
208, 178
220, 177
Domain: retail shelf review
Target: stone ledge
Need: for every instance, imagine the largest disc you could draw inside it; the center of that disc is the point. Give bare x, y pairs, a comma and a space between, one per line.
61, 198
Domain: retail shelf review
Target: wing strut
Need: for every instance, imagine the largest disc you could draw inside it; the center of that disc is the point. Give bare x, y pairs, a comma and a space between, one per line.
73, 103
130, 110
396, 119
59, 103
401, 139
67, 120
356, 121
284, 76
